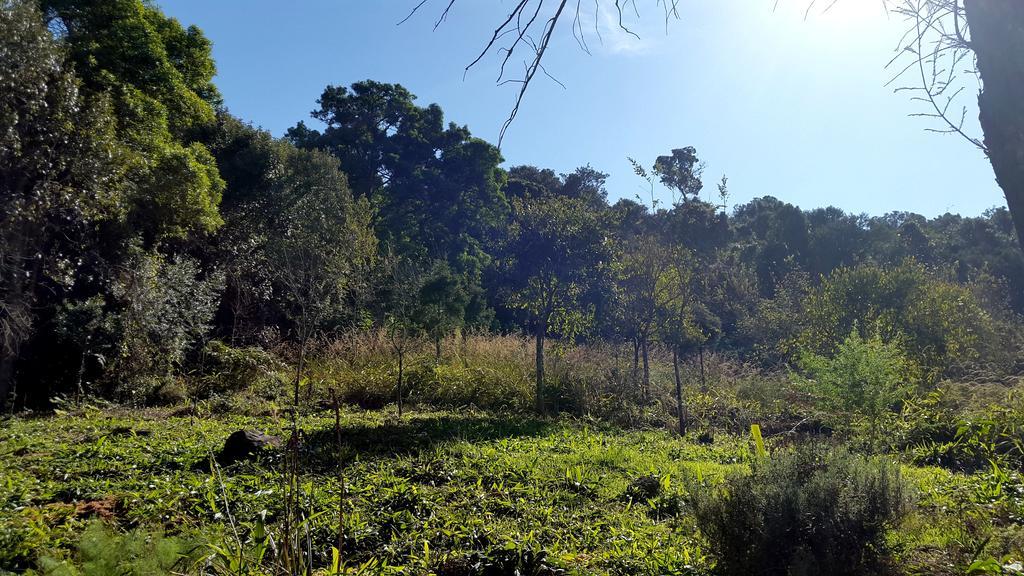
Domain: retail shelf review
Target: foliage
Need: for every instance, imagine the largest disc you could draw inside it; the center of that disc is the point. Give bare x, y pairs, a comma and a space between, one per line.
227, 369
159, 77
939, 323
807, 510
866, 379
102, 552
60, 176
164, 312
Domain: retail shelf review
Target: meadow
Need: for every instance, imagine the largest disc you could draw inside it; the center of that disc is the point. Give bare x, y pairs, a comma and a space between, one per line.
102, 489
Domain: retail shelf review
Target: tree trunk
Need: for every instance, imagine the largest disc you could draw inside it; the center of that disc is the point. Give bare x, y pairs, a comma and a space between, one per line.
997, 38
542, 330
401, 392
679, 392
7, 381
299, 367
437, 350
636, 357
647, 370
703, 380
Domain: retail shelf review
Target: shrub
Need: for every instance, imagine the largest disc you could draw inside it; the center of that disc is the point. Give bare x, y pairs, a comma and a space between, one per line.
809, 510
103, 552
229, 369
865, 379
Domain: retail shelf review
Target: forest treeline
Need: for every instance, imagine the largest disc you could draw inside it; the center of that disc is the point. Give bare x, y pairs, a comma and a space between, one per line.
141, 221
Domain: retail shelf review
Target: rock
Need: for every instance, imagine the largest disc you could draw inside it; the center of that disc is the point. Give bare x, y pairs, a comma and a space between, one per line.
246, 445
643, 488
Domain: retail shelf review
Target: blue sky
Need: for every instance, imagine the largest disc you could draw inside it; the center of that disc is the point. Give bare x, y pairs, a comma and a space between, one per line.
792, 108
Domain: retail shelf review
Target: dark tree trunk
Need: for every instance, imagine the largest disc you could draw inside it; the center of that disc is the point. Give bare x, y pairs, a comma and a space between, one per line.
401, 392
679, 392
7, 381
647, 370
703, 380
542, 330
997, 38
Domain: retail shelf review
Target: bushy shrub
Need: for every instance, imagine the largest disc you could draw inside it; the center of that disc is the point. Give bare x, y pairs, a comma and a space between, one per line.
164, 307
809, 510
862, 383
102, 552
944, 325
228, 369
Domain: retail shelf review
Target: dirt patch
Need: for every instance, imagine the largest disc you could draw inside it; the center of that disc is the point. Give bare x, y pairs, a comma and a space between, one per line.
107, 508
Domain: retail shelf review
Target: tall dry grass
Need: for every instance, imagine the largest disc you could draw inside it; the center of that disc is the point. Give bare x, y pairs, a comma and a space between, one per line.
496, 372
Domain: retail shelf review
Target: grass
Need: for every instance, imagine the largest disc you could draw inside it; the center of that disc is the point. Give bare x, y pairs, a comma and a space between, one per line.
423, 492
428, 492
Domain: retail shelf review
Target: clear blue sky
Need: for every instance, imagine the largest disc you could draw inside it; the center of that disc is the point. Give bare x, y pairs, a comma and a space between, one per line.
785, 107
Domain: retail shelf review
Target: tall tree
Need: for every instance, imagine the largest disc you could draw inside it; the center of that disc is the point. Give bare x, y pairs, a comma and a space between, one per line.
60, 174
159, 78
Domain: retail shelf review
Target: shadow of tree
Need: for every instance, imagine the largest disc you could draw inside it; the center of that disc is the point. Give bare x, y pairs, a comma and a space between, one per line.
413, 435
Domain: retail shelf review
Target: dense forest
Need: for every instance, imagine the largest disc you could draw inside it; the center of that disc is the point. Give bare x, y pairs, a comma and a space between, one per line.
164, 261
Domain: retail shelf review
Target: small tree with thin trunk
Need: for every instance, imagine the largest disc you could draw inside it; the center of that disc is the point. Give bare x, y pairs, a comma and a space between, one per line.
556, 246
443, 302
325, 249
402, 314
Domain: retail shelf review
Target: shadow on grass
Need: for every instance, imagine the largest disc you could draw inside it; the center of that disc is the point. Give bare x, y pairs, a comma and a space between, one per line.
414, 435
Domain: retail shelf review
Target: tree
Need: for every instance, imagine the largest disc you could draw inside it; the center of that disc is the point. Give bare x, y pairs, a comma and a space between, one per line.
159, 78
987, 38
555, 247
324, 248
940, 324
677, 328
60, 174
434, 185
866, 377
163, 308
437, 191
402, 315
442, 307
643, 268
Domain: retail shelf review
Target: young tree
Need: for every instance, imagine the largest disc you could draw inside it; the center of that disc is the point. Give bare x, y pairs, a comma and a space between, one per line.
677, 328
643, 266
442, 308
325, 248
403, 313
556, 246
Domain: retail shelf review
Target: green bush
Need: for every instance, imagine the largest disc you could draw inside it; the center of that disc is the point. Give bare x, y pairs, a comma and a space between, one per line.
862, 383
103, 552
809, 510
228, 369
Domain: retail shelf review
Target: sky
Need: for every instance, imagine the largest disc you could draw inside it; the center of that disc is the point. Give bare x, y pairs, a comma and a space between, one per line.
787, 106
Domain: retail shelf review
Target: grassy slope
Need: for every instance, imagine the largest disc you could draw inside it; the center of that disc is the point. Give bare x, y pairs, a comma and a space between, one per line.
436, 485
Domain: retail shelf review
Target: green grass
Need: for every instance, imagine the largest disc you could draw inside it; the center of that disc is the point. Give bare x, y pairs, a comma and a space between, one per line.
434, 486
422, 493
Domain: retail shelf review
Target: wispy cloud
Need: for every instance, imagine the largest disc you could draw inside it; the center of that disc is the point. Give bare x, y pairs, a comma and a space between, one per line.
603, 29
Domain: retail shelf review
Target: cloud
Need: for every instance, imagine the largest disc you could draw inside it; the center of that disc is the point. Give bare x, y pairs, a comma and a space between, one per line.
601, 30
